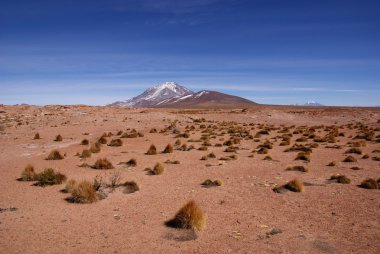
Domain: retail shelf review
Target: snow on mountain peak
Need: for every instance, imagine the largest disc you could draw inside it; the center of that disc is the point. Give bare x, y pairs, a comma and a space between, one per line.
156, 94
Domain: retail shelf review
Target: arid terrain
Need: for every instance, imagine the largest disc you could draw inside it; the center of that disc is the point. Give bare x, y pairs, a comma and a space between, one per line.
249, 153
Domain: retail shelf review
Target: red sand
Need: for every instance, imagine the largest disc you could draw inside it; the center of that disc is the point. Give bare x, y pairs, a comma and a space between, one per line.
326, 218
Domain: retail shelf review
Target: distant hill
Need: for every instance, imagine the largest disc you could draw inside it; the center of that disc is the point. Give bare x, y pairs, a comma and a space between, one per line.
312, 103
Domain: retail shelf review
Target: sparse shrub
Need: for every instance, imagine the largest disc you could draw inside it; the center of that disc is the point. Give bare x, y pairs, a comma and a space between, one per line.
37, 136
350, 159
209, 183
130, 187
230, 149
54, 155
86, 153
85, 142
340, 179
190, 216
114, 180
365, 156
354, 150
332, 164
152, 150
158, 169
168, 149
28, 174
70, 185
95, 147
303, 156
49, 177
298, 168
172, 162
211, 155
177, 142
369, 184
116, 142
268, 158
102, 140
84, 192
132, 163
203, 148
263, 150
154, 130
58, 138
295, 185
301, 139
103, 163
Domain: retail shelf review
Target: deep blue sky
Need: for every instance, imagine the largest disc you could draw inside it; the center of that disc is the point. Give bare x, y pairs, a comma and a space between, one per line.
269, 51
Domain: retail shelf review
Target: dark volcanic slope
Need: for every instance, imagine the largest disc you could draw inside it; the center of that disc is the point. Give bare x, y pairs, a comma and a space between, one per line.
206, 99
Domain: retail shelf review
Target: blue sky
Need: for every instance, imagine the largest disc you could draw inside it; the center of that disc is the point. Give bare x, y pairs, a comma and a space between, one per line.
270, 51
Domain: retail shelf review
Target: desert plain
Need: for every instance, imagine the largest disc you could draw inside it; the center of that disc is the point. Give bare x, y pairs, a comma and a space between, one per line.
246, 212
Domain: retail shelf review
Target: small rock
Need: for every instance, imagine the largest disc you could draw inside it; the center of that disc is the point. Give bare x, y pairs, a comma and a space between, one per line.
274, 231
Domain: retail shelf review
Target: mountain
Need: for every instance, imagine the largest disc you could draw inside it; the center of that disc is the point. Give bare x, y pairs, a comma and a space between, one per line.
154, 95
206, 99
312, 103
172, 95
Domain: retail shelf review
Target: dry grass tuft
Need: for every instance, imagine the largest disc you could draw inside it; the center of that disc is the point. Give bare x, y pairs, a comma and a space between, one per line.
85, 142
297, 168
190, 216
158, 169
303, 156
350, 158
84, 192
86, 153
131, 187
95, 147
354, 150
103, 163
152, 150
132, 163
340, 179
58, 138
369, 184
70, 185
37, 136
49, 177
54, 155
102, 140
28, 174
332, 164
295, 185
116, 142
209, 183
168, 149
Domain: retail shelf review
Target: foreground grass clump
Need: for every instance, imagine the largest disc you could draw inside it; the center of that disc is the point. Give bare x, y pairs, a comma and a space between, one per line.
95, 147
295, 185
152, 150
103, 163
116, 142
28, 174
85, 142
209, 183
350, 158
340, 179
54, 155
49, 177
168, 149
190, 216
130, 187
369, 184
305, 156
158, 169
86, 153
70, 185
58, 138
37, 136
297, 168
83, 192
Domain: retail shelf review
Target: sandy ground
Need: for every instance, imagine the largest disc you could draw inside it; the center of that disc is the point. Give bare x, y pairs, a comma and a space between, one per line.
326, 218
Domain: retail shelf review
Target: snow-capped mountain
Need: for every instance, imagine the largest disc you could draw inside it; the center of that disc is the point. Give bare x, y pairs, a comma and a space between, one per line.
155, 95
312, 103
